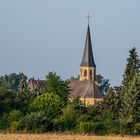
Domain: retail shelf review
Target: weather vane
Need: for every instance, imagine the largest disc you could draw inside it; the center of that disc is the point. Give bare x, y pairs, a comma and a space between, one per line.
88, 17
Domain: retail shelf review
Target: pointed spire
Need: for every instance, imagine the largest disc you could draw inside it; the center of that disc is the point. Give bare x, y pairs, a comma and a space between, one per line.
88, 60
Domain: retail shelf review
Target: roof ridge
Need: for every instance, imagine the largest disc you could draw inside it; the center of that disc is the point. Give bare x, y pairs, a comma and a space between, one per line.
86, 90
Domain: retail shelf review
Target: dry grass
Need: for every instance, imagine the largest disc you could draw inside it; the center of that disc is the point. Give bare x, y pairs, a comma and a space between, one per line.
61, 137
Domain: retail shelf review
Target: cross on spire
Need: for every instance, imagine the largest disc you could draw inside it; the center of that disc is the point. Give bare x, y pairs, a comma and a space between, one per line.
88, 17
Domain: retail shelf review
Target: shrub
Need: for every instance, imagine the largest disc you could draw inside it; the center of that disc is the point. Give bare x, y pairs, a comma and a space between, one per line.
87, 127
112, 125
137, 129
83, 118
36, 122
49, 103
67, 120
91, 127
14, 126
13, 119
14, 115
3, 122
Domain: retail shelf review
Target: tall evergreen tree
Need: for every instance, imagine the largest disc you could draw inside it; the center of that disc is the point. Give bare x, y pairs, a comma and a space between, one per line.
111, 103
130, 111
130, 92
133, 66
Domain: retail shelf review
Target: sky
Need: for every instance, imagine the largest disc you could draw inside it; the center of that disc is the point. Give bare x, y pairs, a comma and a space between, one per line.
38, 36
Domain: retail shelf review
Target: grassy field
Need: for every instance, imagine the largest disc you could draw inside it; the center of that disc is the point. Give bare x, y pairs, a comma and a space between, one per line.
60, 137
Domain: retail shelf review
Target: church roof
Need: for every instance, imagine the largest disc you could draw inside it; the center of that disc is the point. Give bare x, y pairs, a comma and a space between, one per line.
88, 60
84, 89
32, 84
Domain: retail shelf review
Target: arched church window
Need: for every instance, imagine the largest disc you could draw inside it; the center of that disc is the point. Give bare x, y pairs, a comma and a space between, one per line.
85, 73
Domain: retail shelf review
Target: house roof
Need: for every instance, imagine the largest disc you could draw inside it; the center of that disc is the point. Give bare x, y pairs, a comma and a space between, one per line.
88, 59
84, 89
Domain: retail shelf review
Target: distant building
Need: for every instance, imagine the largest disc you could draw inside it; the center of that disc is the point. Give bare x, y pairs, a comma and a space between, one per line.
85, 87
36, 85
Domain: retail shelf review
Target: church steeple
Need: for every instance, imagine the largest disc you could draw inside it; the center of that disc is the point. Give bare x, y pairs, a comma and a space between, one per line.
88, 60
87, 67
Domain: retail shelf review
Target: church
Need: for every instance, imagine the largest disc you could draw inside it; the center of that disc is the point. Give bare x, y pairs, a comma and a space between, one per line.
85, 88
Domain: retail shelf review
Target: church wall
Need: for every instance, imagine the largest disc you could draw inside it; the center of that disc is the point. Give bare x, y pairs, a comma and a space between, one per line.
88, 101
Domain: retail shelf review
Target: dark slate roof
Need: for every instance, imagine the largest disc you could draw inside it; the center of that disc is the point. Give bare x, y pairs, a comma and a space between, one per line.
88, 60
84, 89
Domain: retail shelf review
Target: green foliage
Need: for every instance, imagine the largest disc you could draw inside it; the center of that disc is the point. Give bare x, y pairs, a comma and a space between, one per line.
103, 84
132, 67
67, 120
13, 80
13, 119
91, 127
77, 104
130, 94
10, 121
49, 103
23, 100
14, 115
83, 118
111, 125
137, 129
118, 113
35, 122
111, 103
74, 78
56, 85
6, 98
130, 111
71, 115
14, 126
3, 122
87, 127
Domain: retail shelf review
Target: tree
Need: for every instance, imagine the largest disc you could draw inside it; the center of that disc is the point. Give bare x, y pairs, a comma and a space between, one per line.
23, 100
71, 114
67, 120
77, 104
130, 111
6, 98
74, 78
13, 80
111, 103
57, 86
102, 83
35, 122
133, 66
49, 103
129, 89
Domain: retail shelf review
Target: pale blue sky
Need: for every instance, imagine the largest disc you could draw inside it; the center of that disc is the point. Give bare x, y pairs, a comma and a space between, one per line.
37, 36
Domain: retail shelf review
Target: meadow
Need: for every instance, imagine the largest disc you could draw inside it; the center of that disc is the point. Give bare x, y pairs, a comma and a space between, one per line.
61, 137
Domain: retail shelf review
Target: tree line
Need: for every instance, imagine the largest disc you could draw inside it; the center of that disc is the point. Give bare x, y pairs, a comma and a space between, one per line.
53, 110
